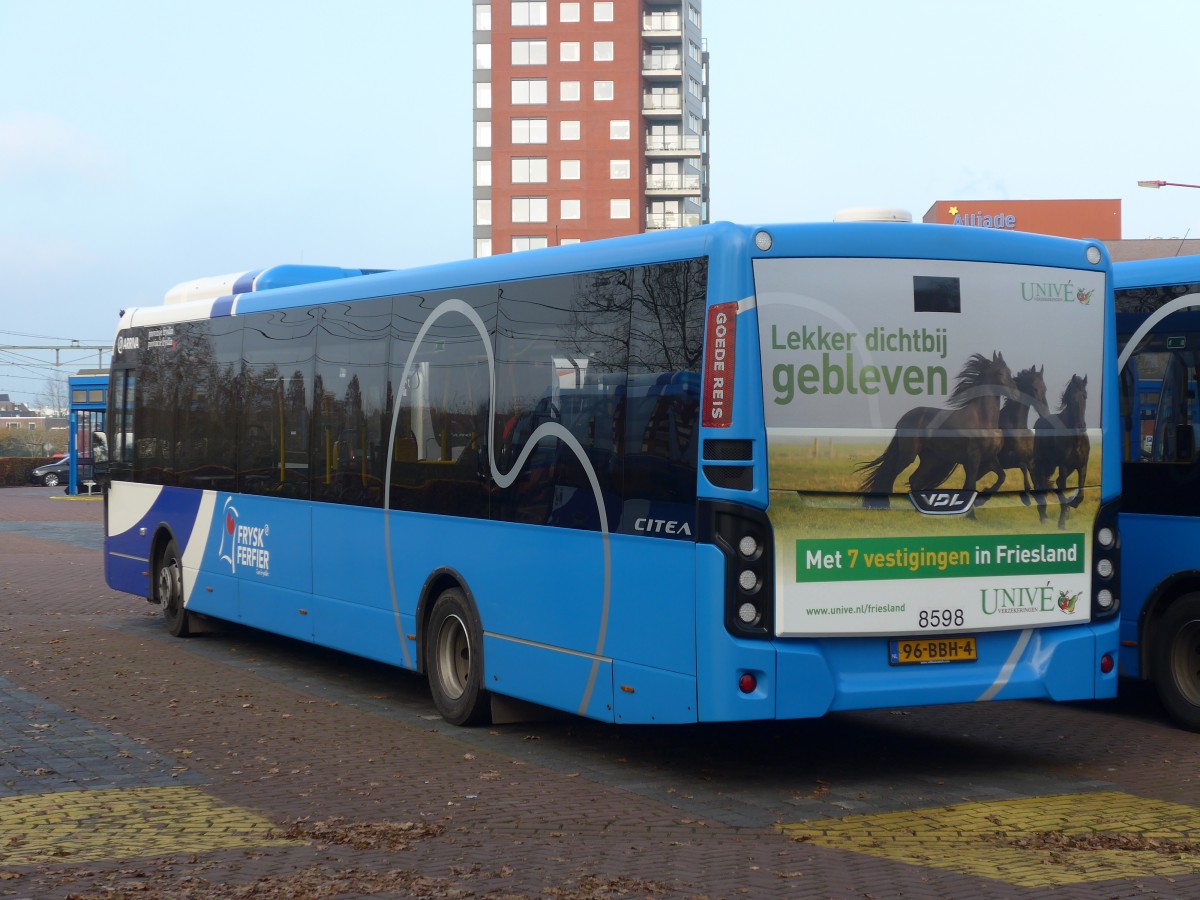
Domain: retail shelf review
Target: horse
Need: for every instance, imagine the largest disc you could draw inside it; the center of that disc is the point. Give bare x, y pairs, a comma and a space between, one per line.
1061, 445
966, 434
1016, 451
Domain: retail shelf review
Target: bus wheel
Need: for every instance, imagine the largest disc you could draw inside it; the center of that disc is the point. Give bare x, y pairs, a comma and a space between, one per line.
168, 590
1177, 661
454, 654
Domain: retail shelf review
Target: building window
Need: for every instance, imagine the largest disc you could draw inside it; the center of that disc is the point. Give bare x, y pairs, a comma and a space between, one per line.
530, 209
568, 169
483, 173
483, 134
602, 12
483, 17
565, 241
568, 12
618, 209
568, 91
602, 51
483, 56
529, 131
568, 130
483, 247
694, 89
568, 51
529, 170
602, 90
528, 90
528, 13
694, 51
694, 123
568, 209
483, 212
693, 15
618, 129
528, 53
483, 95
529, 243
618, 169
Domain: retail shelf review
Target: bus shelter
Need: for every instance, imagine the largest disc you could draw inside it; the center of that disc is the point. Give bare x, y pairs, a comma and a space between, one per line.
89, 396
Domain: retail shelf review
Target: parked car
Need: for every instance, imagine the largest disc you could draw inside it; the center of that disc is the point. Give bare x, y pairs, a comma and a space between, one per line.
52, 473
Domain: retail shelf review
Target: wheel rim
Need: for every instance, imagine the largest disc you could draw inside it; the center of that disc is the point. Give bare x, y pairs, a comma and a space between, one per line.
453, 653
1185, 661
169, 591
51, 480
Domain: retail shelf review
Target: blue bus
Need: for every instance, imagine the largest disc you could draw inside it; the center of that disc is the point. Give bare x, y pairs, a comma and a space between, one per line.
1158, 334
724, 473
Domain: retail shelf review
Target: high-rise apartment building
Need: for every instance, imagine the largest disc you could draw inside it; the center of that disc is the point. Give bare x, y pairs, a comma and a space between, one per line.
591, 120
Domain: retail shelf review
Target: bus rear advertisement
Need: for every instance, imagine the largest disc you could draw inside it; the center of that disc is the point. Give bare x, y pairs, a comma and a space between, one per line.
724, 473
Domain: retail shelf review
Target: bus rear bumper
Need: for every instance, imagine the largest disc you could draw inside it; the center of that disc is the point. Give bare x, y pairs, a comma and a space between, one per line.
1047, 663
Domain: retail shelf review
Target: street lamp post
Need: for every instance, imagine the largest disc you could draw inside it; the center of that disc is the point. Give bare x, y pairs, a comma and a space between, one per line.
1159, 184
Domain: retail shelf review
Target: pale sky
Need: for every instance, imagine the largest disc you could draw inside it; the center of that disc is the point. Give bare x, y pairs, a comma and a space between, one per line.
148, 142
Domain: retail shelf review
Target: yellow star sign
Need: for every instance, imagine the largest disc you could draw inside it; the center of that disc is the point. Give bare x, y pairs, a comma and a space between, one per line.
954, 210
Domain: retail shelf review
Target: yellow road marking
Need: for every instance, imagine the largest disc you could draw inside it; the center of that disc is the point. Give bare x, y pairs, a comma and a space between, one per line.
88, 826
1034, 842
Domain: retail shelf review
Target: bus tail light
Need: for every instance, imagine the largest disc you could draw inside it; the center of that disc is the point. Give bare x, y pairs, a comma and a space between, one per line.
744, 536
1106, 563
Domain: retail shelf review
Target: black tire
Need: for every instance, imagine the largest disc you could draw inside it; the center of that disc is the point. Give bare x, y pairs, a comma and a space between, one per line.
168, 591
454, 660
1176, 665
50, 479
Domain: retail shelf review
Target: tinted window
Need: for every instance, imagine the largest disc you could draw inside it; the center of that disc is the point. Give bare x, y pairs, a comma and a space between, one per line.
351, 390
613, 357
561, 353
442, 386
207, 357
662, 410
158, 389
277, 381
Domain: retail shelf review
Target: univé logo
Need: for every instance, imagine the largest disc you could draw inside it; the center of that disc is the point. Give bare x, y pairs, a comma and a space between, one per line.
244, 546
1056, 291
943, 503
1066, 602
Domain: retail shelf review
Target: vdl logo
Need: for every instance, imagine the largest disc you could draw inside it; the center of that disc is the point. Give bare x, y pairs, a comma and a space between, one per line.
943, 503
244, 545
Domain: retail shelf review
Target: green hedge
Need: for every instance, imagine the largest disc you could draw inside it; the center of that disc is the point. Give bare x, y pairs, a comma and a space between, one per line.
14, 470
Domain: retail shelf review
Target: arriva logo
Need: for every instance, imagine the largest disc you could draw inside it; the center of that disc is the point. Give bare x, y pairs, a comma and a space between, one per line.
244, 546
127, 343
943, 503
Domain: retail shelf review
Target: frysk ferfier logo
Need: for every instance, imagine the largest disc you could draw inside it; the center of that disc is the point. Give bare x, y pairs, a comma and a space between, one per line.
244, 546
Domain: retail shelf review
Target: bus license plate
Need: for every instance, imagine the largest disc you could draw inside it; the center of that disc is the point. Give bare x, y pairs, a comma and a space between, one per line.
922, 651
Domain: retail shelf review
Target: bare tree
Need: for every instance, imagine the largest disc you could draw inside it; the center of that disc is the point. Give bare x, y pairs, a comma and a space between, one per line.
53, 400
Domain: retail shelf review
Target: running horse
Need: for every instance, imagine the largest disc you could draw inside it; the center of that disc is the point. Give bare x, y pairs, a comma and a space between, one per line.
966, 434
1061, 445
1016, 451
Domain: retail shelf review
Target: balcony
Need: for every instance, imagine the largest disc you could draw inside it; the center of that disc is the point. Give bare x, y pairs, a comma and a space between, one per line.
662, 104
671, 145
677, 184
662, 65
662, 25
663, 221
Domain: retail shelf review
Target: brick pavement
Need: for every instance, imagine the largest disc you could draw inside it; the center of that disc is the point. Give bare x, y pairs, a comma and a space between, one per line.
139, 749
